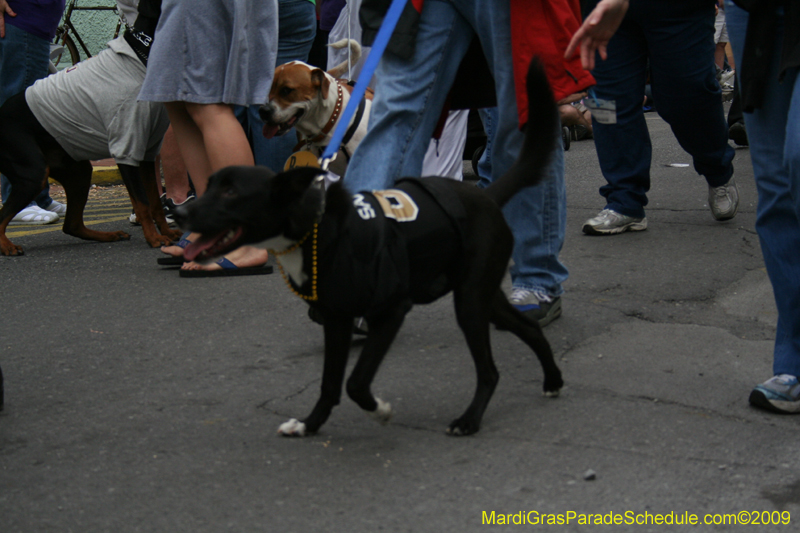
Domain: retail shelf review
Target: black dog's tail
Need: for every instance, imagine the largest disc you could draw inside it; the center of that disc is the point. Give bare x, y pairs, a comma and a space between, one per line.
541, 135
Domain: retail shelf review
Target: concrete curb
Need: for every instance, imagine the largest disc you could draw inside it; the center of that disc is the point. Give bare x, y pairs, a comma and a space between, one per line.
106, 175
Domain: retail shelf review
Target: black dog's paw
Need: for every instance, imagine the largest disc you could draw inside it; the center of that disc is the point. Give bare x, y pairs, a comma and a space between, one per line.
462, 427
292, 428
552, 386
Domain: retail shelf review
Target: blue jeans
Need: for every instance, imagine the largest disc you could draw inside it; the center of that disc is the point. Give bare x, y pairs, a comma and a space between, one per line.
297, 26
538, 219
409, 96
775, 151
23, 60
678, 39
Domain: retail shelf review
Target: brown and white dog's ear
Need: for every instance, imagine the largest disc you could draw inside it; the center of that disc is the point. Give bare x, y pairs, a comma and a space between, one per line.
320, 80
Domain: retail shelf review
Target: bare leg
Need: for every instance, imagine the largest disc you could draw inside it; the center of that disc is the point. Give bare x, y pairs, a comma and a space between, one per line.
210, 138
176, 177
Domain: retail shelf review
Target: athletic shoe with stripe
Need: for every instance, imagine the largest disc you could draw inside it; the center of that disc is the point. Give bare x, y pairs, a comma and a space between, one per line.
780, 394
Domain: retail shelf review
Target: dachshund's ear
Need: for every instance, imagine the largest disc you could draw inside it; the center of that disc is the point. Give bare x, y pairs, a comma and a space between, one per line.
320, 80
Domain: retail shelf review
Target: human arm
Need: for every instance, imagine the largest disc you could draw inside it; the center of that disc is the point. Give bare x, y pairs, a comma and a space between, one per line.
597, 30
5, 9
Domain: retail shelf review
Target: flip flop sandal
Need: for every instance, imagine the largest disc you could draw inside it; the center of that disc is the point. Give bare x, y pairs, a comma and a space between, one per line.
228, 269
175, 260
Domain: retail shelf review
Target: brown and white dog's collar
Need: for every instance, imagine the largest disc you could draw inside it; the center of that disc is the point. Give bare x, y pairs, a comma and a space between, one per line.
337, 110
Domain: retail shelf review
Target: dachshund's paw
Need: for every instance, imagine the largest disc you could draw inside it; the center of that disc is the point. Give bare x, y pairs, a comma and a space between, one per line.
383, 413
292, 428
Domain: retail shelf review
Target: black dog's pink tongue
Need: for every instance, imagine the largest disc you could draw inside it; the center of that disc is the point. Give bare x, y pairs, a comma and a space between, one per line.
269, 131
193, 249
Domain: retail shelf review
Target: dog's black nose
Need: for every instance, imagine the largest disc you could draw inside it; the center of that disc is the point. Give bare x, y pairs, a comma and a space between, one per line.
265, 112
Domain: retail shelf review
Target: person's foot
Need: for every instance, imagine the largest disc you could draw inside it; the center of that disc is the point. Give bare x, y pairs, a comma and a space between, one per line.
58, 208
244, 257
33, 214
738, 134
536, 305
724, 200
176, 250
609, 222
726, 77
780, 394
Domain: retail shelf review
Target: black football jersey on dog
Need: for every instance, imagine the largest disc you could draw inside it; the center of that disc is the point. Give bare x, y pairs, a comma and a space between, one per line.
390, 247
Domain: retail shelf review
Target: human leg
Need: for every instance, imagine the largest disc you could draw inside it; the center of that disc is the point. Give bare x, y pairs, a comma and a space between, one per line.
23, 60
176, 177
773, 140
209, 138
623, 149
409, 95
684, 84
224, 140
536, 215
225, 143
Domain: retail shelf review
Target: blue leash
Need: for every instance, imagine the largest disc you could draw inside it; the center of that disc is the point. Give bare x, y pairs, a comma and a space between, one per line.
378, 47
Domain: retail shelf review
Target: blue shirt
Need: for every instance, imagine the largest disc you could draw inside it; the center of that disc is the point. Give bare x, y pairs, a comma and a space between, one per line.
37, 17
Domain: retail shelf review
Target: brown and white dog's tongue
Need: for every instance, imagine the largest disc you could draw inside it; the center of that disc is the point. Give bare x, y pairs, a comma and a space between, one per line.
269, 131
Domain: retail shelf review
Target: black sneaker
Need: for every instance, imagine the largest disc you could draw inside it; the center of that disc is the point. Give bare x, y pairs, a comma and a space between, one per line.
170, 206
738, 134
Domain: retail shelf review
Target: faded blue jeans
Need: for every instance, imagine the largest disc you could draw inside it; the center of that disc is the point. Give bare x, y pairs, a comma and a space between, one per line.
409, 96
297, 25
23, 60
774, 138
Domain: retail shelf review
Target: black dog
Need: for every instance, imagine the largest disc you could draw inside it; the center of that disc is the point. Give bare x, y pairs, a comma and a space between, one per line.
29, 154
376, 254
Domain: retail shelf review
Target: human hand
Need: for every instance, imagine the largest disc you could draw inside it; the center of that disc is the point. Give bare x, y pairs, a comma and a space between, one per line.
4, 9
597, 30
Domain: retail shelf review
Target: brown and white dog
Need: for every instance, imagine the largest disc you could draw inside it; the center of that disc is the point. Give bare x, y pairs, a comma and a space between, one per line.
312, 101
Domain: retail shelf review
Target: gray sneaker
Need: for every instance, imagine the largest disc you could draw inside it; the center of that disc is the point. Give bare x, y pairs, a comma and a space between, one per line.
608, 222
780, 394
724, 200
536, 305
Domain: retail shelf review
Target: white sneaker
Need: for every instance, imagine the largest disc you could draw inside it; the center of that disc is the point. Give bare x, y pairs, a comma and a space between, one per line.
726, 77
609, 222
724, 200
58, 208
33, 214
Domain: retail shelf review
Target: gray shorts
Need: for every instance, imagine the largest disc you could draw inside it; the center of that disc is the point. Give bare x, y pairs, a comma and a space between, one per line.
720, 29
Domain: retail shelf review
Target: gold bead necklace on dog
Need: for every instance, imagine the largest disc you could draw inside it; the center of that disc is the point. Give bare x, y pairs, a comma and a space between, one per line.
314, 232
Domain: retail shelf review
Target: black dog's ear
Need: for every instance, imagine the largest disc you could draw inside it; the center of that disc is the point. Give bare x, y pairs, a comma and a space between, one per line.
297, 180
248, 172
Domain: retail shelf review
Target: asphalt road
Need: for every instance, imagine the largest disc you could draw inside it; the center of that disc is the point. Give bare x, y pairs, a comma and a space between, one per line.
140, 401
